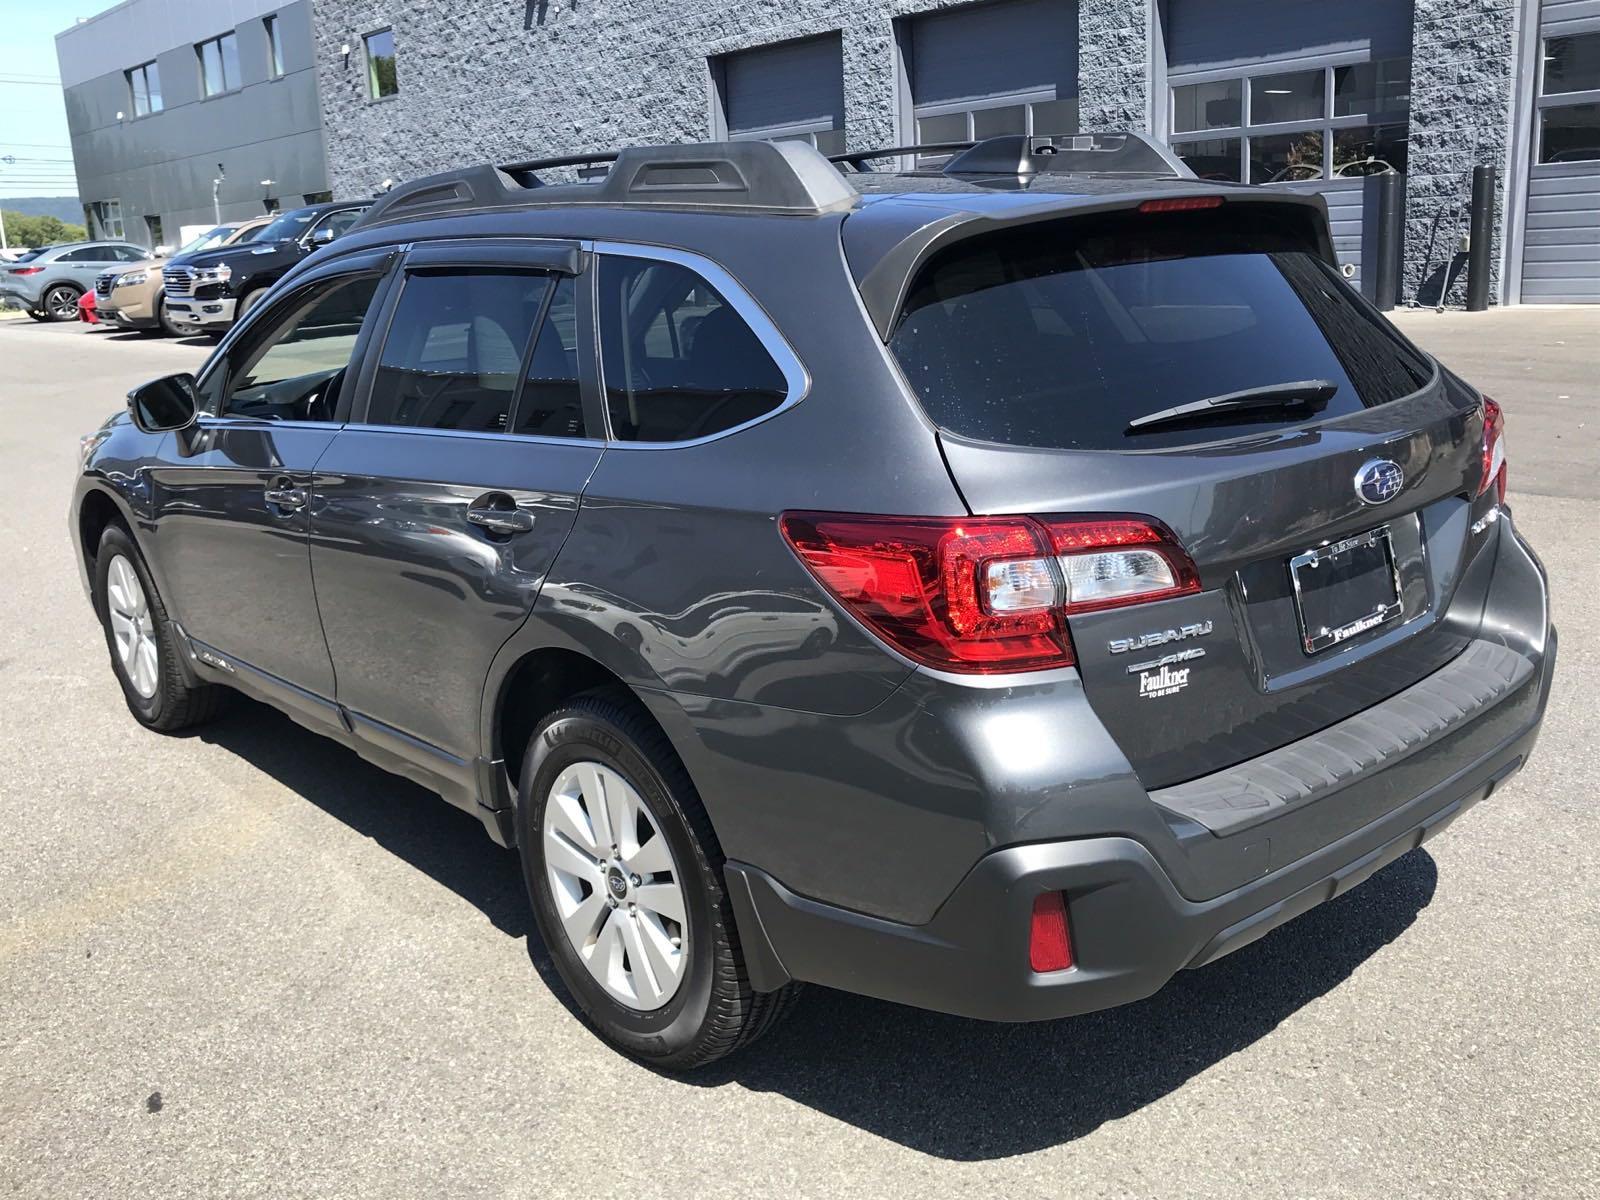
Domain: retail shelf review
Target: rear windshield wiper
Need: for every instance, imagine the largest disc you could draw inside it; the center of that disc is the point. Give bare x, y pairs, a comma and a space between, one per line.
1310, 394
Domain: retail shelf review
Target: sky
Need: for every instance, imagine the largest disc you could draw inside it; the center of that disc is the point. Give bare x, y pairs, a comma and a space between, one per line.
33, 122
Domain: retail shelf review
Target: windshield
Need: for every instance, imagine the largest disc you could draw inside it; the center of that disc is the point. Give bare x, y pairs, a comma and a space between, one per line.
287, 227
208, 239
1064, 335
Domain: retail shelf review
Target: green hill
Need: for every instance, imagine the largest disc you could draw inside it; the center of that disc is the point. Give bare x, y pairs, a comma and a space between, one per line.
63, 208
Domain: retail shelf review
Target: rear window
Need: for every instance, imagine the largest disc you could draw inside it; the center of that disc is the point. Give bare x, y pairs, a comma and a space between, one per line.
1060, 335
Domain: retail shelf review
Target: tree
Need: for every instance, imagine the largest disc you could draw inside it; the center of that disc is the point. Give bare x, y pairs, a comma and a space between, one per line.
22, 230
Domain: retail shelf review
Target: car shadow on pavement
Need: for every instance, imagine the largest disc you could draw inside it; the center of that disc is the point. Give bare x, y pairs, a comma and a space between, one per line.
949, 1087
972, 1091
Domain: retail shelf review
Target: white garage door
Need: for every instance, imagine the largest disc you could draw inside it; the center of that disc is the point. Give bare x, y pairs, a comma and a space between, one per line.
1561, 240
987, 69
791, 90
1311, 97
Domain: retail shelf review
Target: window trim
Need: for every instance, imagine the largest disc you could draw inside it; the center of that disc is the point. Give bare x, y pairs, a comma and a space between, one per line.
797, 379
222, 64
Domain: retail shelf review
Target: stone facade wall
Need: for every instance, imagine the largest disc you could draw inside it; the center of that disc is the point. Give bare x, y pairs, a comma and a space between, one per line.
1463, 80
1113, 64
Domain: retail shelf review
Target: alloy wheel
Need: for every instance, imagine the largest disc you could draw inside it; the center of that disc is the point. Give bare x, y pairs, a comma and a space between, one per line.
61, 304
133, 628
616, 887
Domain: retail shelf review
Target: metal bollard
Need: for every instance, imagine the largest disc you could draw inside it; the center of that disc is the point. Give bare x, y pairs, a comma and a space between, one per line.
1386, 270
1481, 237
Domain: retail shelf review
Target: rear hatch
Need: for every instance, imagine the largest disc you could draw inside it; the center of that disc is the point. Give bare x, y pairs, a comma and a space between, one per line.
1209, 369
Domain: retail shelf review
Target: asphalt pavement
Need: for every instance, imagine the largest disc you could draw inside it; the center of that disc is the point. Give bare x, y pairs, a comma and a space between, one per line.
244, 963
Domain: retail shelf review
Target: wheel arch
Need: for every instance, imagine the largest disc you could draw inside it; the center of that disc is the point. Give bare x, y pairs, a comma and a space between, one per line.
97, 509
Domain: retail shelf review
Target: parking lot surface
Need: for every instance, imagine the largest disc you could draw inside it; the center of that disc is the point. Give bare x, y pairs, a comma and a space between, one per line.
245, 963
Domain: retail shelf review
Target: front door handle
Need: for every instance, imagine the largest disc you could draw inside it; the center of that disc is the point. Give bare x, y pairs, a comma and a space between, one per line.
283, 494
498, 513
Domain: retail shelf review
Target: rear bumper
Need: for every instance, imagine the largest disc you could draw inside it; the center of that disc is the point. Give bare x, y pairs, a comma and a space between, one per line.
1132, 929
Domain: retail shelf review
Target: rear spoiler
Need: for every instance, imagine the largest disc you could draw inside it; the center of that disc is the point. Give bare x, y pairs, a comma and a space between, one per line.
886, 245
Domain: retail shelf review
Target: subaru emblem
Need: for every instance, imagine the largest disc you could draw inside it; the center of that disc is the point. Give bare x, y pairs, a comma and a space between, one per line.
1379, 481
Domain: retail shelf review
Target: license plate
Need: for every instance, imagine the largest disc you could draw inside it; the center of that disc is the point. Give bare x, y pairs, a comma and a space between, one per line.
1345, 589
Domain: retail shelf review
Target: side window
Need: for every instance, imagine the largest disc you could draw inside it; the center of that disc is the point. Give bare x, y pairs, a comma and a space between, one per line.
80, 256
338, 222
294, 373
550, 404
679, 361
453, 353
131, 254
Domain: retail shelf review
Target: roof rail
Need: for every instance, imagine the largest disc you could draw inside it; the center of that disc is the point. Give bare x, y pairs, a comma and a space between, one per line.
774, 177
858, 158
1123, 153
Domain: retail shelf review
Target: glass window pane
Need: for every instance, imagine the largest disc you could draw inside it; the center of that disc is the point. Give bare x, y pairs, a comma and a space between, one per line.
310, 348
211, 68
230, 61
1570, 134
679, 361
992, 122
152, 80
1372, 87
141, 93
1572, 64
274, 48
1286, 157
1055, 118
1297, 96
1206, 106
1214, 158
952, 127
454, 350
381, 77
551, 404
1369, 150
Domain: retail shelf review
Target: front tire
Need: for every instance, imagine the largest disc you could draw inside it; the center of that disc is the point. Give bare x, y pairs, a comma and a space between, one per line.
164, 321
142, 642
625, 877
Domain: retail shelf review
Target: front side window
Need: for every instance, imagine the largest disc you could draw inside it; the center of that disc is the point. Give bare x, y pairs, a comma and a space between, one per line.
294, 373
453, 354
1064, 340
144, 85
219, 64
381, 78
679, 360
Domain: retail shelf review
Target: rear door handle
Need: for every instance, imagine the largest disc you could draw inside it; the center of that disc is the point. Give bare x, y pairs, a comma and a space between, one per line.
498, 513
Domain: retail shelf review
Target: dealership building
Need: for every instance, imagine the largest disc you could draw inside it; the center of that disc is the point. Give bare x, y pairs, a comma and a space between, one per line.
179, 111
1322, 97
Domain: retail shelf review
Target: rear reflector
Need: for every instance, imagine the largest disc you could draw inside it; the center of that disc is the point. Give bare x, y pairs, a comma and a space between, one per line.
986, 594
1049, 941
1180, 204
1494, 450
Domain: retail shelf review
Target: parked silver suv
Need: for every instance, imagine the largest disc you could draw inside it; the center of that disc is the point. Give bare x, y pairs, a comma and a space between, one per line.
47, 282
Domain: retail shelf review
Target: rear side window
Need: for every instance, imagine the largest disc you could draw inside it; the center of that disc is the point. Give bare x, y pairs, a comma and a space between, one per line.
1059, 336
551, 404
453, 354
679, 360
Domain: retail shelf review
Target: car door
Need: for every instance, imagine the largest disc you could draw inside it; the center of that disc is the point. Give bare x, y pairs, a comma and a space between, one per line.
232, 496
440, 508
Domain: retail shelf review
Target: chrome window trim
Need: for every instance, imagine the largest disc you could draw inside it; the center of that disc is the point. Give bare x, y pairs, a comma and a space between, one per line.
497, 434
797, 379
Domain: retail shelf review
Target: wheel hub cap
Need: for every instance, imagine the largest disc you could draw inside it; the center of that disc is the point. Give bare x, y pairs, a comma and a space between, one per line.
616, 887
133, 628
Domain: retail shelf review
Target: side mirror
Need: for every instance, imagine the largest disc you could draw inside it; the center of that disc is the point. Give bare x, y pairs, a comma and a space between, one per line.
164, 404
322, 237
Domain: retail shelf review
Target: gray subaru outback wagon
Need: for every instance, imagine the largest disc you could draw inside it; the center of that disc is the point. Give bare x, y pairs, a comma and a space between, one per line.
993, 586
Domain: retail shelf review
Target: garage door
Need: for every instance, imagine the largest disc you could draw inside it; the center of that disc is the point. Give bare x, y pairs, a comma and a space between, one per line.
791, 90
988, 69
1561, 242
1309, 97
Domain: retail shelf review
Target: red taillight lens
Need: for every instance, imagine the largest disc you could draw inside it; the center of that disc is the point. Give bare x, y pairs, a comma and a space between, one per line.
986, 594
1049, 940
1494, 450
26, 270
1180, 204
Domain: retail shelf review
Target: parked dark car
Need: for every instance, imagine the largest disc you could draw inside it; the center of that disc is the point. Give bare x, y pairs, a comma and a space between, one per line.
207, 291
993, 589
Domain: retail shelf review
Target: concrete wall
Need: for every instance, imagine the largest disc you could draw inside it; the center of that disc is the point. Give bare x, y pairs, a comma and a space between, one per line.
163, 163
1114, 64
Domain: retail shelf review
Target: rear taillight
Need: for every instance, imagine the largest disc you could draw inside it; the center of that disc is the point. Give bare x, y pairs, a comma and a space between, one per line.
1049, 939
1494, 450
26, 270
986, 594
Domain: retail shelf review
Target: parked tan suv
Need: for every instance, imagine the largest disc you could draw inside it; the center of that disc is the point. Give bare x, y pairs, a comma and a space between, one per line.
131, 296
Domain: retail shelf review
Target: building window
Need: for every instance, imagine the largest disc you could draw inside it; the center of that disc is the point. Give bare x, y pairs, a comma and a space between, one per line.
219, 65
381, 79
1042, 116
1337, 122
274, 48
318, 197
152, 228
108, 218
144, 83
1569, 99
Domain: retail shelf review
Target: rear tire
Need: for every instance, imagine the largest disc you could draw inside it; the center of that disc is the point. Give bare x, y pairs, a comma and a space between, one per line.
142, 642
710, 1010
60, 302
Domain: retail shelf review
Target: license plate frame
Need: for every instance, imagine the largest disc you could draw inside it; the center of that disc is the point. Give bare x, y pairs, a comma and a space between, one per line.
1371, 554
